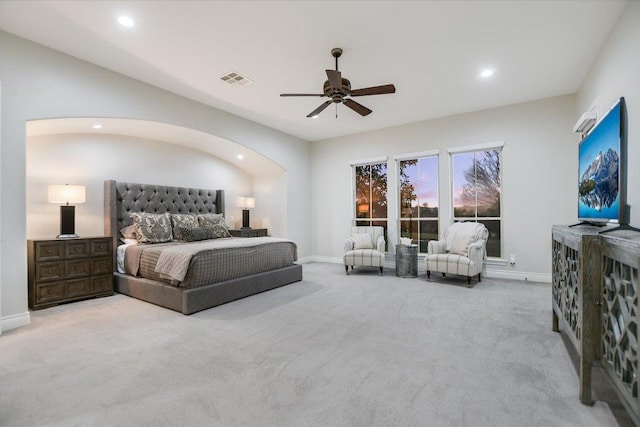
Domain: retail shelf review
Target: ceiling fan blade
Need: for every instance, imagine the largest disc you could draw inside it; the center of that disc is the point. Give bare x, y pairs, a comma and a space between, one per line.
318, 110
358, 108
335, 79
302, 94
374, 90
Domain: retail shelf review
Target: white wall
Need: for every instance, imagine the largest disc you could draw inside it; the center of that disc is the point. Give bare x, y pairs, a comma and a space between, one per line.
89, 160
539, 176
40, 83
616, 73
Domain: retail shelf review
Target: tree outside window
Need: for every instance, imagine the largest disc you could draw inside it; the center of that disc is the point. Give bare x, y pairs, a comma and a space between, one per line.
370, 198
418, 179
476, 193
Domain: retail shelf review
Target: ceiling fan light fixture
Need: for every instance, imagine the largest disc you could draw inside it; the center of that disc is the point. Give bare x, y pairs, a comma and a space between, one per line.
338, 90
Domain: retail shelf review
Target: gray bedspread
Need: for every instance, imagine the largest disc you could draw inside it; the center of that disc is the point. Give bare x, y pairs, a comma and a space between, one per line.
209, 261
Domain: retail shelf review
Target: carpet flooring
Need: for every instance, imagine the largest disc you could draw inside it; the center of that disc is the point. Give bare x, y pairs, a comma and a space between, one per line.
332, 350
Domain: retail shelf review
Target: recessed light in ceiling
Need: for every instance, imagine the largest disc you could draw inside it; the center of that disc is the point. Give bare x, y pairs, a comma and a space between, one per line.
240, 156
125, 21
235, 78
486, 73
97, 126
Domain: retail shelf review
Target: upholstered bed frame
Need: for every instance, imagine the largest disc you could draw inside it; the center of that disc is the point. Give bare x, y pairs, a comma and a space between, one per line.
120, 198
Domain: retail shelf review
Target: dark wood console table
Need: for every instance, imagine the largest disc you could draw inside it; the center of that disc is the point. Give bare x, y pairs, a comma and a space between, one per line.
595, 301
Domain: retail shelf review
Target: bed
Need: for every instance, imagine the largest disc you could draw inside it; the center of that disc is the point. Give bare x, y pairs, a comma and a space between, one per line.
192, 295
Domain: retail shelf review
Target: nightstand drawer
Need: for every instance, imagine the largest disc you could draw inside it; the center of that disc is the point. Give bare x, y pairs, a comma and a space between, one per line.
101, 248
49, 251
47, 292
76, 249
101, 266
78, 268
78, 287
46, 271
249, 232
102, 284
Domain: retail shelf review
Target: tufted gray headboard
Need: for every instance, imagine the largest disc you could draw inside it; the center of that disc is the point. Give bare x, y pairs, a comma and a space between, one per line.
120, 198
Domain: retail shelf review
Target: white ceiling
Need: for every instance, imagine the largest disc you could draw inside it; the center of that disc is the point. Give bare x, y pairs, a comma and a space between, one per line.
433, 51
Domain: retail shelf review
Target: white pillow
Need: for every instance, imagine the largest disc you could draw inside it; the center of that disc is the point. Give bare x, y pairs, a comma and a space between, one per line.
460, 244
362, 241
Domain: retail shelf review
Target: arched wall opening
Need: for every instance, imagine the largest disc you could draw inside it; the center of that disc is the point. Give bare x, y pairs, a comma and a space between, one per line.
72, 151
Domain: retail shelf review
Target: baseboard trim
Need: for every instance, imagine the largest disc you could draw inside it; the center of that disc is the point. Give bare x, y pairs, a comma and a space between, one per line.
518, 275
389, 262
14, 321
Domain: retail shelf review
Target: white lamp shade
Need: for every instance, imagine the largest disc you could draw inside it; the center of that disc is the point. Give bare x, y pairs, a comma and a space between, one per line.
66, 194
246, 202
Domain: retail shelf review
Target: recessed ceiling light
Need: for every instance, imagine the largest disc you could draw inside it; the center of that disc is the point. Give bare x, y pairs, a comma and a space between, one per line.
97, 126
486, 73
125, 21
315, 117
240, 156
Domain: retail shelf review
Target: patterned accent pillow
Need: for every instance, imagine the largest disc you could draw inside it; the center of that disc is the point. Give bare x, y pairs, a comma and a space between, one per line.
195, 234
362, 241
214, 222
180, 221
152, 228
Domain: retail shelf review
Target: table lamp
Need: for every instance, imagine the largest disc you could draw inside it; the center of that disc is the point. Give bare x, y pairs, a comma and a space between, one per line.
245, 203
67, 194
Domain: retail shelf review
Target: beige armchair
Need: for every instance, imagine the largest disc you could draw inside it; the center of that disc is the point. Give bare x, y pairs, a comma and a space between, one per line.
462, 251
365, 248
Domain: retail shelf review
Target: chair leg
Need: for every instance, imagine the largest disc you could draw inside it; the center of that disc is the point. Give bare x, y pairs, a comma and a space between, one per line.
468, 281
479, 277
346, 267
381, 270
428, 275
444, 274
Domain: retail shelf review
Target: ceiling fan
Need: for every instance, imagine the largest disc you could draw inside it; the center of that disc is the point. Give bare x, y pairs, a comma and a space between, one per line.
338, 89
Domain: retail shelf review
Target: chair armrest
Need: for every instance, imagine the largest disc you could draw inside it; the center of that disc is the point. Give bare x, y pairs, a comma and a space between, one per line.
380, 243
437, 247
348, 245
477, 252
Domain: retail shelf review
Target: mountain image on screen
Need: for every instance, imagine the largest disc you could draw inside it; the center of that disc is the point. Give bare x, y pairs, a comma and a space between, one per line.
599, 183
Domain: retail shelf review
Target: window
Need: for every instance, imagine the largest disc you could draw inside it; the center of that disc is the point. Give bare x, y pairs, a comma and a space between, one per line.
476, 192
370, 198
418, 192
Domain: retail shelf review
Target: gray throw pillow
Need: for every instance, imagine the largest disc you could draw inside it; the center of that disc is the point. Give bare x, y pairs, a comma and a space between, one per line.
214, 222
196, 234
180, 221
152, 228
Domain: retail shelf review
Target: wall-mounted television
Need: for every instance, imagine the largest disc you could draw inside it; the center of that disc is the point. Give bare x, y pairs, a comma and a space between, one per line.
602, 170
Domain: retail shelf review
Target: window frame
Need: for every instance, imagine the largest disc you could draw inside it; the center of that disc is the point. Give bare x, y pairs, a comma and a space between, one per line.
354, 219
415, 156
499, 145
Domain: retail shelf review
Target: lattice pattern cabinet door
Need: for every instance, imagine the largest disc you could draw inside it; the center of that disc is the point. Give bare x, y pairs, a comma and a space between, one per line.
619, 318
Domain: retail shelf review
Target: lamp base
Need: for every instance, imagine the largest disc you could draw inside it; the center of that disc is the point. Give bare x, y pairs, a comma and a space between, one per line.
245, 219
67, 223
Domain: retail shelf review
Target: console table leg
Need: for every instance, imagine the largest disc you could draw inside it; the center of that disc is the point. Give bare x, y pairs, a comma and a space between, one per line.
585, 382
554, 326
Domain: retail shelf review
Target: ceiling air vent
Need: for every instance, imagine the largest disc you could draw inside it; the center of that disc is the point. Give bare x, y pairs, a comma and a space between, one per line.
234, 78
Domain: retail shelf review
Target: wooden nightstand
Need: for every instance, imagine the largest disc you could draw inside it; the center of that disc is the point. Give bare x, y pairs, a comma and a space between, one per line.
69, 270
249, 232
